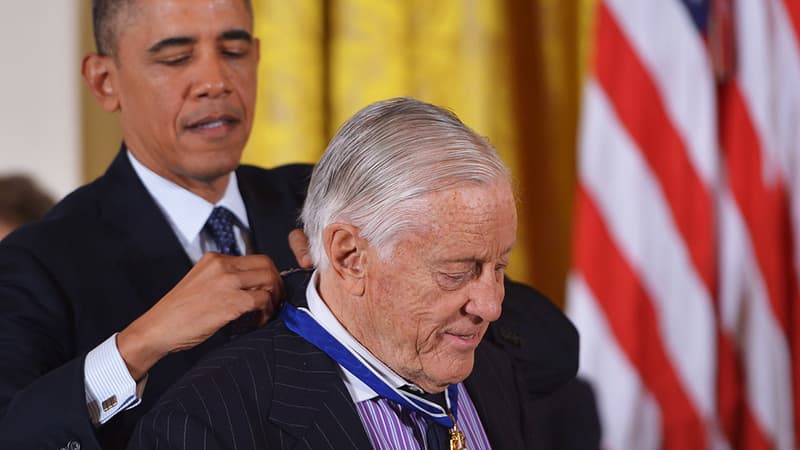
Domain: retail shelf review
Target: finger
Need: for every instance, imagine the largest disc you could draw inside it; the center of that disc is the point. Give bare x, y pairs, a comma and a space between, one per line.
298, 241
268, 280
259, 300
264, 315
250, 262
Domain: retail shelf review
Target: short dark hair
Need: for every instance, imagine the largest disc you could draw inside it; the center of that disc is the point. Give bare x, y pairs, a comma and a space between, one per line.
105, 13
21, 200
105, 18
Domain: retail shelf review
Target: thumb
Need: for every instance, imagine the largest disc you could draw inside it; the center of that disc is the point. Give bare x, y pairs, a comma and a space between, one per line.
298, 242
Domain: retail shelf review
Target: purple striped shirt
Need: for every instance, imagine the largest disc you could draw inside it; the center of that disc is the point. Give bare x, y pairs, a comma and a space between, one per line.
394, 427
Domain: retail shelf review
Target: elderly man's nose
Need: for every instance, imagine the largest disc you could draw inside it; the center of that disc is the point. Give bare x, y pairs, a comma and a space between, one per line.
486, 297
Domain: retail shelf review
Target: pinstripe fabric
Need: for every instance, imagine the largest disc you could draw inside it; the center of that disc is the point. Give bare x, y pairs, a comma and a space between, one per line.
271, 389
393, 427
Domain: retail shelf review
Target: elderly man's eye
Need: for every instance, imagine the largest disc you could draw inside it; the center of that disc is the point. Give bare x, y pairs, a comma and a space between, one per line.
453, 281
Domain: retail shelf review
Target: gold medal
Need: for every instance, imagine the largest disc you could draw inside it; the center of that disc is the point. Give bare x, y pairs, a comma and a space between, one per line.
457, 439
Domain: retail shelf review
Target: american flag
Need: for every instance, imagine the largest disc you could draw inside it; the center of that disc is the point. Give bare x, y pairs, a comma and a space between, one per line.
685, 249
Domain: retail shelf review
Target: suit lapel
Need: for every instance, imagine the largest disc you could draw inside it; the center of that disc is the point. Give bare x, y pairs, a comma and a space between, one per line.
149, 251
269, 219
310, 402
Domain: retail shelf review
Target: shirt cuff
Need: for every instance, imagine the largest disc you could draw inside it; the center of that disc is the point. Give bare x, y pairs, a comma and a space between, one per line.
109, 385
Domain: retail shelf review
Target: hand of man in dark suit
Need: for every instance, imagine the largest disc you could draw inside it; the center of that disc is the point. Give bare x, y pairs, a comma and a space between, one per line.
298, 241
217, 290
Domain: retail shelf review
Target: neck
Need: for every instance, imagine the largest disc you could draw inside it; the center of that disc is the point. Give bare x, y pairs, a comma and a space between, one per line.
350, 311
337, 299
210, 189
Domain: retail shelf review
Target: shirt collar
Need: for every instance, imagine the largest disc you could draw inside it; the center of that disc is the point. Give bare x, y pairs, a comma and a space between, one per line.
358, 390
187, 211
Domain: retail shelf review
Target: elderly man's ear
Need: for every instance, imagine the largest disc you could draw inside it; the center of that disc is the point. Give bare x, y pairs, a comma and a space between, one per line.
347, 253
99, 72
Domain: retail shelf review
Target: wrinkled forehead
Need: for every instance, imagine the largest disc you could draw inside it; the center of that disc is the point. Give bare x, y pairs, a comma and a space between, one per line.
483, 214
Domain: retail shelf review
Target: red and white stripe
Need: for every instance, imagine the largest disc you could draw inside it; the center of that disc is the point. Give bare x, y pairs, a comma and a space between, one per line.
684, 281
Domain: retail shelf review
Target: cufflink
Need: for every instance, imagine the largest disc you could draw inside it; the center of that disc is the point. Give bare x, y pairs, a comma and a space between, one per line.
109, 403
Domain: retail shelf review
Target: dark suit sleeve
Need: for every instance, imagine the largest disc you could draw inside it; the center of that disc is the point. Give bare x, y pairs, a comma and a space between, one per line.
172, 428
42, 395
538, 336
567, 419
497, 390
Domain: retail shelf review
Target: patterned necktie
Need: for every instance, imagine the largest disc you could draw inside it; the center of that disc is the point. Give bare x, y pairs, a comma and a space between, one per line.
220, 227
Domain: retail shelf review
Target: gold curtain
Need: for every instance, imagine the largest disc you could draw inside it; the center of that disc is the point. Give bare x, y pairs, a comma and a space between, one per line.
511, 69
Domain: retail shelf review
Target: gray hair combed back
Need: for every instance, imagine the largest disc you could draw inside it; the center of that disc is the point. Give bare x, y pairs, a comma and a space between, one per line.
383, 160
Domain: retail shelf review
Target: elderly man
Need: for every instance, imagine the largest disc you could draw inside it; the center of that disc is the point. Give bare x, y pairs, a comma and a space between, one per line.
98, 301
411, 219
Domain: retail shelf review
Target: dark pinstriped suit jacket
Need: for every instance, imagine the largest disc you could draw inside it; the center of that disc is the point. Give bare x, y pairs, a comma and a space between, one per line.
272, 389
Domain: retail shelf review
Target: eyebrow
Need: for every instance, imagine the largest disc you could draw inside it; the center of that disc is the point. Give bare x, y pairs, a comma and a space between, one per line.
470, 259
180, 41
237, 35
177, 41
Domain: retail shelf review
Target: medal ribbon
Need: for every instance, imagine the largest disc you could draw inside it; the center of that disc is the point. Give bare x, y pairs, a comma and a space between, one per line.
303, 323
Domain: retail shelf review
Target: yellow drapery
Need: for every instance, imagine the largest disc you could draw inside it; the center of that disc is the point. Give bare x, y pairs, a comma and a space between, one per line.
511, 69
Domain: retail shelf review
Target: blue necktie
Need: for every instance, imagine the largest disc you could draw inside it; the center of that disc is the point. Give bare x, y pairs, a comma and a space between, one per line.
220, 226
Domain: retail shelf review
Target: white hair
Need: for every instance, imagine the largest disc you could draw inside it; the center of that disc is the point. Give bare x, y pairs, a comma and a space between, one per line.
383, 160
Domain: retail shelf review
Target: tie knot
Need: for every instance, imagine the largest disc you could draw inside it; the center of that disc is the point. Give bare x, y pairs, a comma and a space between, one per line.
220, 227
437, 398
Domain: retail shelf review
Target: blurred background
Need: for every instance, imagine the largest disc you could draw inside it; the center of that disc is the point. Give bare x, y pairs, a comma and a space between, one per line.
654, 144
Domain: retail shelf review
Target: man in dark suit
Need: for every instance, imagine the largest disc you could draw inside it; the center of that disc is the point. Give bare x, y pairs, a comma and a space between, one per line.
411, 218
117, 280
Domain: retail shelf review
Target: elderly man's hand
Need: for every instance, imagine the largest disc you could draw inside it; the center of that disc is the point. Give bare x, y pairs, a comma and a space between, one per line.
217, 290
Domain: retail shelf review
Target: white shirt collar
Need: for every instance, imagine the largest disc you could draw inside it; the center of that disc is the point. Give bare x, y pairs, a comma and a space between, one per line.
187, 212
357, 389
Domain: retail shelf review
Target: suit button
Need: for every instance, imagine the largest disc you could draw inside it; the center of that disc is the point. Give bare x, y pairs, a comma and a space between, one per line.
73, 445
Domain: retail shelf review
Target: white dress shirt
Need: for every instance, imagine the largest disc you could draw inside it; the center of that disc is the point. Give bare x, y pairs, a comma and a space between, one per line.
358, 390
109, 386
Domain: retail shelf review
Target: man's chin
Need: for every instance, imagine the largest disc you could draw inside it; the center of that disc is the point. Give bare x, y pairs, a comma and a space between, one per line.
453, 375
229, 143
209, 164
208, 169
